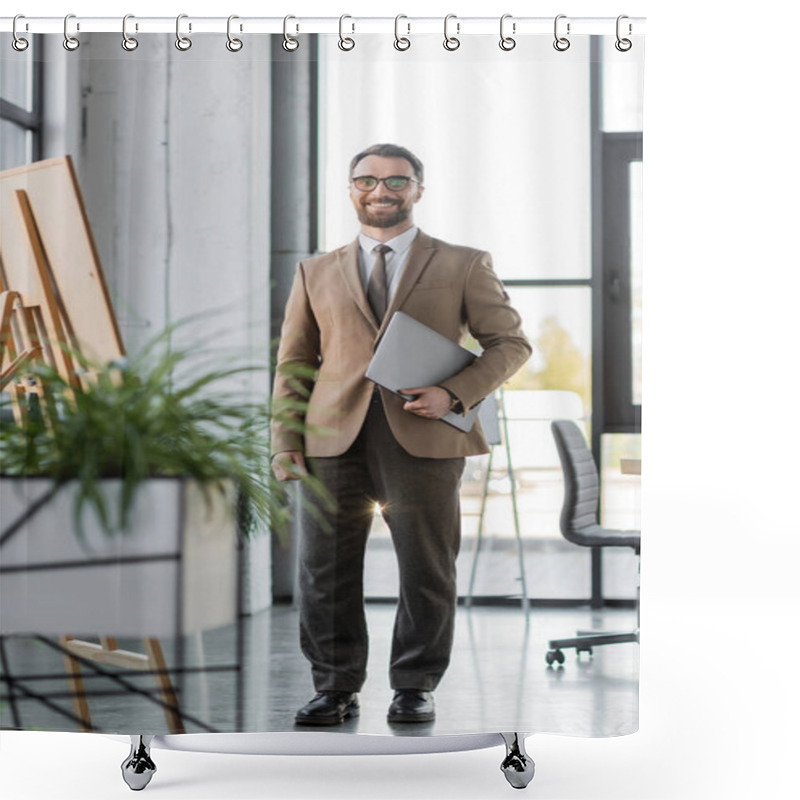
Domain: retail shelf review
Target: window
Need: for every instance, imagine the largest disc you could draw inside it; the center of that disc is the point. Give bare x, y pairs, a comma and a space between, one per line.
541, 184
20, 103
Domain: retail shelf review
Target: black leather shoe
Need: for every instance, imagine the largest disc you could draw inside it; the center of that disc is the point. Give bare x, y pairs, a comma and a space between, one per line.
411, 705
328, 708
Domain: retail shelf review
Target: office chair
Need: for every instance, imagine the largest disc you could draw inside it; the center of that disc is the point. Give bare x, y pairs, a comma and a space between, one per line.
579, 525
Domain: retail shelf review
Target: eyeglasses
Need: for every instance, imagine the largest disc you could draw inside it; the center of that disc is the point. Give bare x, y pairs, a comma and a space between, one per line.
394, 183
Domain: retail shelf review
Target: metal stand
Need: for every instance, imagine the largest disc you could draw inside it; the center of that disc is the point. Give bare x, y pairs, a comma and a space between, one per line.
517, 766
138, 768
503, 420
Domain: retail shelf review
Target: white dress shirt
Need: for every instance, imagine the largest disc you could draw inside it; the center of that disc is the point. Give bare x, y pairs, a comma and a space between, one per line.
395, 260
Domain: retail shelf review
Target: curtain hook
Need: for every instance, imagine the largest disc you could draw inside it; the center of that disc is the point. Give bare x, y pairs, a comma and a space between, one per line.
451, 42
561, 43
233, 44
346, 43
129, 43
401, 42
183, 43
70, 42
623, 45
507, 42
19, 44
290, 44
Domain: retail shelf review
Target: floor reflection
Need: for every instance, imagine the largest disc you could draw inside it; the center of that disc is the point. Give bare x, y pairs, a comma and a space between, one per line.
498, 679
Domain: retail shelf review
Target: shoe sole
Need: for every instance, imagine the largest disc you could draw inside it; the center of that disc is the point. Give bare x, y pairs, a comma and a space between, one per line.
409, 718
322, 722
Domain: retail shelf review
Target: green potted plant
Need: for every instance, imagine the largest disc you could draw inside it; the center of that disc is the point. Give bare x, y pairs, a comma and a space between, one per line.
135, 487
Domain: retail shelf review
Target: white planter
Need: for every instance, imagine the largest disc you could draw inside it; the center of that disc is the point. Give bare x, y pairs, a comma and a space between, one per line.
175, 571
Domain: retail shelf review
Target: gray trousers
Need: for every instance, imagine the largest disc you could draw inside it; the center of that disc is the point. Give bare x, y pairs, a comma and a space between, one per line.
420, 502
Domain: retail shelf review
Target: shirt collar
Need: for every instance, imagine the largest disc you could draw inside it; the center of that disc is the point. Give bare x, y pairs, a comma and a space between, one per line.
399, 244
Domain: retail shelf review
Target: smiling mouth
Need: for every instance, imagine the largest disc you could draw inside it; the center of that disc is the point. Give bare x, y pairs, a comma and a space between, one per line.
382, 213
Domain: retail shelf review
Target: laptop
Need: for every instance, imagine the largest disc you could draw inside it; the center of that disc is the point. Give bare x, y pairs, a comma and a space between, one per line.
412, 354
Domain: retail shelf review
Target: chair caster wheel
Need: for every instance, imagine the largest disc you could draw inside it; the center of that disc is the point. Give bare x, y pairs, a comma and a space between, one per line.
554, 656
517, 766
138, 768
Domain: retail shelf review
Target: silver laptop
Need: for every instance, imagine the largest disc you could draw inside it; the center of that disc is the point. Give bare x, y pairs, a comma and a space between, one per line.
412, 354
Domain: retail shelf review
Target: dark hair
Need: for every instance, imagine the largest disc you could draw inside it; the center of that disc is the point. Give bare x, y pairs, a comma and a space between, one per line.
391, 151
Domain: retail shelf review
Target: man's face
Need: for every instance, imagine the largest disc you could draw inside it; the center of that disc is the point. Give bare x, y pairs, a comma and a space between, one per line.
381, 207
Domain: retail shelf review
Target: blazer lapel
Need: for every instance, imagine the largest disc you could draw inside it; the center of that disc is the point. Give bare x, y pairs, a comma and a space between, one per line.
348, 266
422, 250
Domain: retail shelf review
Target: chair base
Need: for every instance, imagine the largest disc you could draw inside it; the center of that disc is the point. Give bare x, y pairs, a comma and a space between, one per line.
585, 641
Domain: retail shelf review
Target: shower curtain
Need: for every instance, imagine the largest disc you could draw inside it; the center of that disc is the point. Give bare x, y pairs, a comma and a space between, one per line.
156, 202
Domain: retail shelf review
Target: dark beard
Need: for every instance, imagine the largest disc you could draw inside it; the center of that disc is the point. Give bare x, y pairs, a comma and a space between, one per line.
378, 221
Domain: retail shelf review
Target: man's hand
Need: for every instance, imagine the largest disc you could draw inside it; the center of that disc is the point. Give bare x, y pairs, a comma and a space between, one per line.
289, 466
432, 402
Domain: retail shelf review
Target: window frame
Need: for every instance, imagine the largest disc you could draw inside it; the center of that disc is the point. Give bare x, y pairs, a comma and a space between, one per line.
29, 121
612, 366
622, 415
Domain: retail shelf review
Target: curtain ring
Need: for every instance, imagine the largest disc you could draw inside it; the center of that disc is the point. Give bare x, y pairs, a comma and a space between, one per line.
401, 42
451, 42
623, 45
129, 43
183, 43
290, 44
70, 42
507, 42
233, 44
561, 43
19, 44
346, 43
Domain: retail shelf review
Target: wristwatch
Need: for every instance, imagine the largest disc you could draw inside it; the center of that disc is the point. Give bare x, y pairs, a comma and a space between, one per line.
456, 406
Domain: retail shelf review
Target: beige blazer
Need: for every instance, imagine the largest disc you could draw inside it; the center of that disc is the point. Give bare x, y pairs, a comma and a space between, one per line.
329, 327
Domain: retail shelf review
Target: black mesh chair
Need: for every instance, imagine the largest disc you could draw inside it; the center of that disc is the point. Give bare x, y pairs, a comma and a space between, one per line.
579, 525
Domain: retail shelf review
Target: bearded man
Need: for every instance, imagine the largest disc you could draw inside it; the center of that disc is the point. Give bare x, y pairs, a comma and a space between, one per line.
368, 446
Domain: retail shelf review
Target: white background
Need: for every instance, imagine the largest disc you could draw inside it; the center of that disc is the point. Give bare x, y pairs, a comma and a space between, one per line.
719, 704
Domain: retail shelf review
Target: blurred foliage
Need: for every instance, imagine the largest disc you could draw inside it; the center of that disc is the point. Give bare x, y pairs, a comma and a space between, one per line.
557, 363
166, 412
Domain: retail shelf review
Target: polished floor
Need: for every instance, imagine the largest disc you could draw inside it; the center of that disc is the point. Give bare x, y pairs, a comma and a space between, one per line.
498, 679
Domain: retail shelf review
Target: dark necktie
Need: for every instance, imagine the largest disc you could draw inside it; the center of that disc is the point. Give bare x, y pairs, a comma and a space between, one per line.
377, 287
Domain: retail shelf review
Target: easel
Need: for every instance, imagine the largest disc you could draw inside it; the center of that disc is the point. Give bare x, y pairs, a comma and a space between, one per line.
17, 326
55, 302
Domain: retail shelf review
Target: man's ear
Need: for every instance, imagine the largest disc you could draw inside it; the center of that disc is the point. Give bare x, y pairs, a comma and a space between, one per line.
420, 190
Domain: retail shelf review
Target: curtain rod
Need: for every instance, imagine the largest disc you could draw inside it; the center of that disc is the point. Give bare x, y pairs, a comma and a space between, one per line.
463, 26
